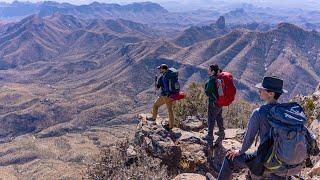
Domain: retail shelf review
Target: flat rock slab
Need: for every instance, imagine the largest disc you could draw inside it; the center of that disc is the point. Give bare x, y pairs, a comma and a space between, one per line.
190, 176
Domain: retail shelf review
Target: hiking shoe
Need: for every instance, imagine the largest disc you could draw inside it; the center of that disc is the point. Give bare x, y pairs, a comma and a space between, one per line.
166, 127
208, 138
309, 163
150, 119
220, 133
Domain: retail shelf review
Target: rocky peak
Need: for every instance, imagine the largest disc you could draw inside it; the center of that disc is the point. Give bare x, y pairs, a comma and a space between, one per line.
221, 22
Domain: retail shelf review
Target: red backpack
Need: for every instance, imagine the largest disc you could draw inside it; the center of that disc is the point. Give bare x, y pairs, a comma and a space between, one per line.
226, 89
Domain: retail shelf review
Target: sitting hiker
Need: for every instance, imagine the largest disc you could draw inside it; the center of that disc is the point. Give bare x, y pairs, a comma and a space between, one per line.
163, 84
214, 110
283, 147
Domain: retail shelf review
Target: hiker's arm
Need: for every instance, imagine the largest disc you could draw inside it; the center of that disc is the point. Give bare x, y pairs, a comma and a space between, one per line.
209, 89
165, 83
251, 132
158, 85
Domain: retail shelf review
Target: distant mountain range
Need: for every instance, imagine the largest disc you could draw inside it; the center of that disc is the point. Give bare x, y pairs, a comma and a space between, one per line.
145, 12
104, 68
45, 38
157, 16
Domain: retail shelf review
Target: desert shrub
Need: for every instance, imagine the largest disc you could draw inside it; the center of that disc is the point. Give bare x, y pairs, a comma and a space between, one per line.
309, 107
196, 103
238, 113
114, 163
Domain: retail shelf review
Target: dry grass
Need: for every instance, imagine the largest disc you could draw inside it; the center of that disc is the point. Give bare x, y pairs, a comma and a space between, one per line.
65, 157
114, 163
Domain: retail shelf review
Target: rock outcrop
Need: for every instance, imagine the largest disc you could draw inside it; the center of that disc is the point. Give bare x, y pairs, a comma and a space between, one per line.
183, 149
221, 23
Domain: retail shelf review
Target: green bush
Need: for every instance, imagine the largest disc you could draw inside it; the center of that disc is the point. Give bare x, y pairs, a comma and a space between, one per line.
309, 107
195, 103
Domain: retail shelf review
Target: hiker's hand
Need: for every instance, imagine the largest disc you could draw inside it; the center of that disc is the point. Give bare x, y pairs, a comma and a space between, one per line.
232, 154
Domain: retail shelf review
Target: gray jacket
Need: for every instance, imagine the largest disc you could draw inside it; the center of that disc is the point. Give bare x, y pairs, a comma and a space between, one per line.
258, 123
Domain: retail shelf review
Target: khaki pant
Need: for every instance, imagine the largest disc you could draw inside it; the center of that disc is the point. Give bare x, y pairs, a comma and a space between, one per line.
161, 101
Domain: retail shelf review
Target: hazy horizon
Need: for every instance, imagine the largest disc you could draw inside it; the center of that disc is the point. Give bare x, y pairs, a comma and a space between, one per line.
201, 4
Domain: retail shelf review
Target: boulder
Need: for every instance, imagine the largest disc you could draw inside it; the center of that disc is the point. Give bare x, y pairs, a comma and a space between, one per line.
190, 176
192, 123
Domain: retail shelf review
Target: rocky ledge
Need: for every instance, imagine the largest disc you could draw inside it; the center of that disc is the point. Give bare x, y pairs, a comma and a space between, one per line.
185, 152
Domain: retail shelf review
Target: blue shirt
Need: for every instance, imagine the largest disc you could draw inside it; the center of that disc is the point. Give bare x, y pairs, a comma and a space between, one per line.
163, 83
258, 123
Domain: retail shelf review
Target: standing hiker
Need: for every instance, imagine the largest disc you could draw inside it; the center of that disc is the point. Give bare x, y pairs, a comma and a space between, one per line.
221, 91
169, 85
283, 137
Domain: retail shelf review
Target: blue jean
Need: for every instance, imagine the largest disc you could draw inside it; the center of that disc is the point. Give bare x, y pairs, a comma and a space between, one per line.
214, 115
228, 167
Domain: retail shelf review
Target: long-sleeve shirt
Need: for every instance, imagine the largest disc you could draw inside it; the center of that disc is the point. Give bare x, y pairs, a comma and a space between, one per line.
257, 123
211, 88
163, 83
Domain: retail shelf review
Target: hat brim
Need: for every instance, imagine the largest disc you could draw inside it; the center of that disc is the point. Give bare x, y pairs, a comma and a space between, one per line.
159, 67
259, 86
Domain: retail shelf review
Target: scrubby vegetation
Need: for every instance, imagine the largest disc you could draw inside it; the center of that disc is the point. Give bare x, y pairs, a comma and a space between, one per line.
309, 107
125, 161
196, 103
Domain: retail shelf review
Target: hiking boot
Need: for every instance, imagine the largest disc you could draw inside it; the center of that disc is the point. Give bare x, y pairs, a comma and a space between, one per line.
150, 119
166, 127
220, 134
208, 138
309, 163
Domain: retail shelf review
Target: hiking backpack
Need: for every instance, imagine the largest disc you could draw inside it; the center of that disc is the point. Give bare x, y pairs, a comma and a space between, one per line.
288, 133
226, 89
174, 85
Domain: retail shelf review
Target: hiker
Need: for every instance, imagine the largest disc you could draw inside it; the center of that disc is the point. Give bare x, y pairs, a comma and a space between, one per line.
214, 110
271, 145
167, 89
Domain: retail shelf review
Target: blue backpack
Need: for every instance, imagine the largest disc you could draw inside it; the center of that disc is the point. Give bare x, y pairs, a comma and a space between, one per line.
290, 146
172, 76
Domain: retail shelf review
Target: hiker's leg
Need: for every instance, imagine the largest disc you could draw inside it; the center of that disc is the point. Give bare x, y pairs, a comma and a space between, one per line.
159, 102
219, 120
228, 165
211, 110
170, 112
